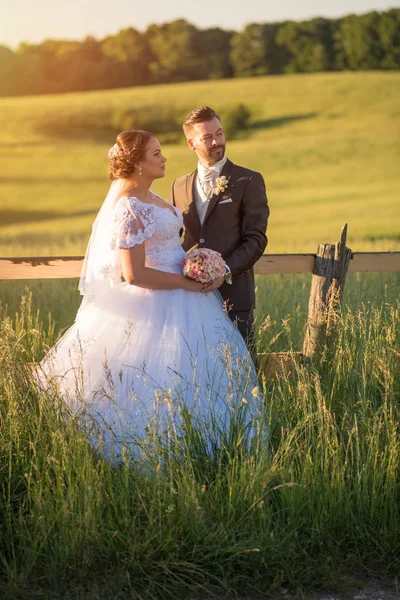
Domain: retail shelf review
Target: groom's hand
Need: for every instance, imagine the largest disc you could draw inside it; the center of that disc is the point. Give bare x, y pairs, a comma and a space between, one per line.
214, 285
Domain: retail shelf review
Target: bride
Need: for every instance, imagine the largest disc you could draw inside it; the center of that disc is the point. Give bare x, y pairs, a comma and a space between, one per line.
143, 350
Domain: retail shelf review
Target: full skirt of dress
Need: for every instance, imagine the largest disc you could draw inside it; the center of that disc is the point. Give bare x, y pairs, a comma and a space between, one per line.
136, 360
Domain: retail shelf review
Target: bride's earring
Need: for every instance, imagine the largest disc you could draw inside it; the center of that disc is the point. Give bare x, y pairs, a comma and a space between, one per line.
140, 170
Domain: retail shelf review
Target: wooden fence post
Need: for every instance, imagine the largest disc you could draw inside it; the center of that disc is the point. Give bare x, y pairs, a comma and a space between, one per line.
329, 276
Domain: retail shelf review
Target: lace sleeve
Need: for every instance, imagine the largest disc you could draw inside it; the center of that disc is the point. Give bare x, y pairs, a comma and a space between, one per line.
132, 224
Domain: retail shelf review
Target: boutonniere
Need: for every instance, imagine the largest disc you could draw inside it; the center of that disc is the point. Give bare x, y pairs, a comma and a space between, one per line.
220, 185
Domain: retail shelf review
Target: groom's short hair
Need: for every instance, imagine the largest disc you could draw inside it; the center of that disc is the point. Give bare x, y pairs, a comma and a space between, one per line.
199, 115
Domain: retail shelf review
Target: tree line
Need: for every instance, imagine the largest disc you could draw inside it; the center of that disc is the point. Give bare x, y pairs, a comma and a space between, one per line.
179, 51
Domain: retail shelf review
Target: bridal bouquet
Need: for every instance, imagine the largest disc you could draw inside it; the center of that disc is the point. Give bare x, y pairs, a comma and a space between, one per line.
203, 264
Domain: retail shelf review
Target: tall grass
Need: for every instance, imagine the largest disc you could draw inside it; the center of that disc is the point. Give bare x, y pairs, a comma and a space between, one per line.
318, 505
282, 303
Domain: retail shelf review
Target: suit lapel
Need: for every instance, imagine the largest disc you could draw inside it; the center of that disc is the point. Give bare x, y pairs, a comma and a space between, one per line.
226, 172
190, 179
192, 216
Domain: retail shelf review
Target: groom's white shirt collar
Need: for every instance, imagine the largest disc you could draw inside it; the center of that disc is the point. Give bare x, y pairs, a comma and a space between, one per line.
217, 167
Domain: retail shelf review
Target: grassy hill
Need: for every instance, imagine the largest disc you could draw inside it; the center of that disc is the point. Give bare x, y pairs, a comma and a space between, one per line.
327, 144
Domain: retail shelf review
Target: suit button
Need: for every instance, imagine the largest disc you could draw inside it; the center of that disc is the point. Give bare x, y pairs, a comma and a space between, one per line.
201, 240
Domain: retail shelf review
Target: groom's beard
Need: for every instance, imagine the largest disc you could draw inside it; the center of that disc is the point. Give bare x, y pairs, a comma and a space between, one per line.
216, 154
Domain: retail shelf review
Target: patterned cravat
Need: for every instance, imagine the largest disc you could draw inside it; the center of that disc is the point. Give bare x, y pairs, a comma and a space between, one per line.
207, 182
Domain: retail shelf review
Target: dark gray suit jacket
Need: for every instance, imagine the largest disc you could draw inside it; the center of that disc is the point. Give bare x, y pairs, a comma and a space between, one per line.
235, 229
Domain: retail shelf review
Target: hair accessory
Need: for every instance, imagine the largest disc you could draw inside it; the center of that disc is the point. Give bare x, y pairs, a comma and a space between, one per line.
115, 151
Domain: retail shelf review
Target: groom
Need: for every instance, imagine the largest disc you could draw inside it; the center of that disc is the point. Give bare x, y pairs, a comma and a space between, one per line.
224, 208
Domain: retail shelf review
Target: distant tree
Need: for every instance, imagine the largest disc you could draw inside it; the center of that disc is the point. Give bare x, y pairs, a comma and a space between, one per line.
130, 53
389, 37
179, 51
61, 66
248, 52
174, 52
7, 71
29, 70
54, 63
212, 49
87, 68
276, 56
309, 45
358, 45
254, 51
6, 54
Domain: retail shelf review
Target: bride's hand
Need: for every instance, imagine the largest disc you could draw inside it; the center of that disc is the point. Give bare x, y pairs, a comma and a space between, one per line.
193, 286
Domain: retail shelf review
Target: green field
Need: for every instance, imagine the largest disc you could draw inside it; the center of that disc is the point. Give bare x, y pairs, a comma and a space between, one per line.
328, 146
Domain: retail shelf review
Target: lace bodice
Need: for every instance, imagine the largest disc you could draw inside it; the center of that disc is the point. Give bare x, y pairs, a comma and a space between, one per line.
136, 222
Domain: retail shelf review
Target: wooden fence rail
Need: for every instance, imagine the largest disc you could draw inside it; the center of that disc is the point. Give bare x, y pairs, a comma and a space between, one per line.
57, 267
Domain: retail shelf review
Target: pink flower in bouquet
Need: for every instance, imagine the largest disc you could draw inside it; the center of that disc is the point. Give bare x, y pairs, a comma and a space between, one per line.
204, 265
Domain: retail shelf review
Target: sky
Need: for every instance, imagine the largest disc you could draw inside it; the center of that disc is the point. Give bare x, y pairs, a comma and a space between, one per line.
37, 20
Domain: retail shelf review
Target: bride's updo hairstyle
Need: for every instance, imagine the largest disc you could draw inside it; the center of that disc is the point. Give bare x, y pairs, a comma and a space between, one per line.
128, 150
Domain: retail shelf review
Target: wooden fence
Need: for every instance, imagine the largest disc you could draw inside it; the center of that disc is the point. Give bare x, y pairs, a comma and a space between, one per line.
58, 267
329, 267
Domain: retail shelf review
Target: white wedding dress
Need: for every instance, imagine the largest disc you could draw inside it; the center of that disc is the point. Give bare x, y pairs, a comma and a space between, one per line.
135, 358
